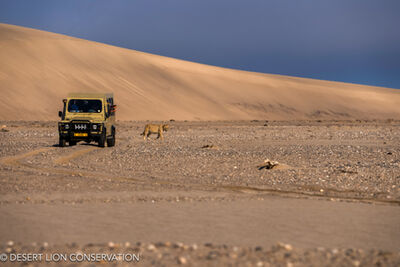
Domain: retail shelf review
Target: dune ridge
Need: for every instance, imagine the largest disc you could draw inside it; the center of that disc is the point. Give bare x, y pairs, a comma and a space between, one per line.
39, 68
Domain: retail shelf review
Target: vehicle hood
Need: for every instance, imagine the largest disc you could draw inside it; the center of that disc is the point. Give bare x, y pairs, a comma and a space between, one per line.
93, 117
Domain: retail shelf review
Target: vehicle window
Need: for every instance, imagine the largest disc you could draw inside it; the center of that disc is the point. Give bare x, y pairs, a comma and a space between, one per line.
84, 106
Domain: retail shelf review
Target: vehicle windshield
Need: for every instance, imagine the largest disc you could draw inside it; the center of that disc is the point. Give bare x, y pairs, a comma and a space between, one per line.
84, 106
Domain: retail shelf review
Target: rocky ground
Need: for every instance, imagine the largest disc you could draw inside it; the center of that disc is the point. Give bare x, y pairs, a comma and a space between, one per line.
172, 254
202, 162
356, 160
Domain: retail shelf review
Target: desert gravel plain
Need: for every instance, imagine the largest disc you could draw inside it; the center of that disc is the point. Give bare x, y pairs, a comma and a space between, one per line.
201, 197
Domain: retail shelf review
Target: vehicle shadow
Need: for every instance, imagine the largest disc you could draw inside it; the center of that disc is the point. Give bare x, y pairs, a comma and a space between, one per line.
88, 144
78, 144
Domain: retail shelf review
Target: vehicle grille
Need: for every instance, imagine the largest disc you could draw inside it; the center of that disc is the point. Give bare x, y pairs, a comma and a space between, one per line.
80, 127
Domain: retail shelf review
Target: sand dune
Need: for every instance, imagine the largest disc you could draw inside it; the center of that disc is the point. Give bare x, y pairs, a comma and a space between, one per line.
39, 68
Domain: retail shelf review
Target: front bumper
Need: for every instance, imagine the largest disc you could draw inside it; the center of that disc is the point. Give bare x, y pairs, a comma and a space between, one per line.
80, 130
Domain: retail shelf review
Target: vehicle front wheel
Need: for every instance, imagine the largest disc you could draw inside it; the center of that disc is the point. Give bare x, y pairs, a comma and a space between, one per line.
62, 142
102, 139
72, 143
111, 141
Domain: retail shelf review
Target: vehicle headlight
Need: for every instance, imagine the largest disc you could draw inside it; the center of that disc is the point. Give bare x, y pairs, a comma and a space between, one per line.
66, 126
96, 127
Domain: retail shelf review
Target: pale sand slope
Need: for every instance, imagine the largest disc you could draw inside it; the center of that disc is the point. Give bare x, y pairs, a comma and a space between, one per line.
38, 69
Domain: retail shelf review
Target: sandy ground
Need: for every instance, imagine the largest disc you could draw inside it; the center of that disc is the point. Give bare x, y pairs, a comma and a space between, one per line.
200, 198
44, 67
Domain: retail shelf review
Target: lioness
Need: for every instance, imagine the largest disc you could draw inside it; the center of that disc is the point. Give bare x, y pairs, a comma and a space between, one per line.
156, 129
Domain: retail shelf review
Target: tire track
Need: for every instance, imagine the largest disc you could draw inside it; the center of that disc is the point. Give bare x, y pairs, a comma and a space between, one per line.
310, 194
14, 160
73, 155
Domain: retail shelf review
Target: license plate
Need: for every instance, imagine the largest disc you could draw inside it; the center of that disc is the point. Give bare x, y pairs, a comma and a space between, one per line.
80, 134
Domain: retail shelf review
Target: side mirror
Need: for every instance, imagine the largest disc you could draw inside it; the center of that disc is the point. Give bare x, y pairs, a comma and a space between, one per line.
60, 114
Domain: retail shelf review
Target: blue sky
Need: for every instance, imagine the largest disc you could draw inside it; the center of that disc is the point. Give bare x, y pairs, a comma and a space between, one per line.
355, 41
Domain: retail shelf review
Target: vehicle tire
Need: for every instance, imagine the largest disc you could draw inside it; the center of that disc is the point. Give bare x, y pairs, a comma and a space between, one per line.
62, 142
102, 139
72, 143
111, 140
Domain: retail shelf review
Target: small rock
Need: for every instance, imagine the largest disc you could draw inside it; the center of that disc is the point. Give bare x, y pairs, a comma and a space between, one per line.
233, 255
10, 243
212, 255
288, 247
178, 245
182, 260
111, 244
159, 244
151, 247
